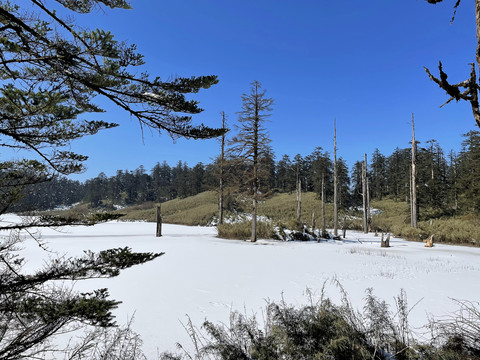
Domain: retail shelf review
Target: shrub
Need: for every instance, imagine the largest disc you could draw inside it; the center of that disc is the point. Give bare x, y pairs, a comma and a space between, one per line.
323, 330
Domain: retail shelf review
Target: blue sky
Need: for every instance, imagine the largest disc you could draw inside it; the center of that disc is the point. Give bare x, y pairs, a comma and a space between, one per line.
360, 62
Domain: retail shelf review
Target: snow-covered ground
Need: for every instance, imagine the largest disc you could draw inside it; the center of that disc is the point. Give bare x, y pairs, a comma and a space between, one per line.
205, 277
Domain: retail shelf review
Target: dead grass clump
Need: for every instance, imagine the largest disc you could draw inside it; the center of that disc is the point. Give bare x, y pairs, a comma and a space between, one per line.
243, 230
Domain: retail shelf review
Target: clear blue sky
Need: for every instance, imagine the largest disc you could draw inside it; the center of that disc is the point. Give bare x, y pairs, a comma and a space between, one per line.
360, 62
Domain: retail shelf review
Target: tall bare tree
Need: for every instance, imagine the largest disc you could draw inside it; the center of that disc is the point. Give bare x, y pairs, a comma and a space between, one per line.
413, 182
221, 163
299, 199
324, 228
365, 195
466, 90
335, 180
250, 145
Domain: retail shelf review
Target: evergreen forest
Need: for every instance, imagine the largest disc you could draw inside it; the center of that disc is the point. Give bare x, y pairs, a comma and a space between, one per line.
446, 180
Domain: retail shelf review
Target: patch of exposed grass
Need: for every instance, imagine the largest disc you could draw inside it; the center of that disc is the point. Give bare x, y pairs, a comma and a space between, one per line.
194, 210
243, 230
395, 218
282, 208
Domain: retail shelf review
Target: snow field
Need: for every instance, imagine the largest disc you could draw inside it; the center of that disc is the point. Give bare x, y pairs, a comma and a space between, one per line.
203, 277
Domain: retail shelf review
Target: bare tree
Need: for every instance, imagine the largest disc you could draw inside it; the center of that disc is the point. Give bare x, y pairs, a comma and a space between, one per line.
413, 182
221, 169
365, 195
335, 185
250, 145
466, 90
323, 206
299, 199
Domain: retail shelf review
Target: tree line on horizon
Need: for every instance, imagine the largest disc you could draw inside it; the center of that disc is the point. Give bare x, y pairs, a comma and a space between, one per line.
446, 182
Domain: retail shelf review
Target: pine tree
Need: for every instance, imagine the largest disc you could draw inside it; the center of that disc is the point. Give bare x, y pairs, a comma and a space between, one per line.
356, 179
285, 174
469, 171
398, 165
378, 182
250, 145
52, 71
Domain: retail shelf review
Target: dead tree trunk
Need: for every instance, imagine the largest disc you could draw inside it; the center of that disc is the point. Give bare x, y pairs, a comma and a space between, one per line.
413, 200
253, 238
335, 200
385, 243
323, 206
159, 222
364, 195
222, 159
368, 200
299, 200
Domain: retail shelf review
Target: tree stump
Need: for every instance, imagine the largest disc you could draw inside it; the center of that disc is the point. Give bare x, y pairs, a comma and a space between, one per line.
159, 222
386, 242
429, 241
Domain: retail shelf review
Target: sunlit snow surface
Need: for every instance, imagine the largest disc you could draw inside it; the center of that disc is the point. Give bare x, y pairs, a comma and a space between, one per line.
205, 277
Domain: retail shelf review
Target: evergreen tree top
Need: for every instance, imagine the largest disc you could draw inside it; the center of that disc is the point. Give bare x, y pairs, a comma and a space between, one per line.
52, 72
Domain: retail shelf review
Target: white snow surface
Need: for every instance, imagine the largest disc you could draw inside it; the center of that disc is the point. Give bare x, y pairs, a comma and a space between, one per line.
205, 277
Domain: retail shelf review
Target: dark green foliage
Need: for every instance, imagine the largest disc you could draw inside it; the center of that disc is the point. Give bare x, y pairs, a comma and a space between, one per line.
46, 195
469, 171
51, 73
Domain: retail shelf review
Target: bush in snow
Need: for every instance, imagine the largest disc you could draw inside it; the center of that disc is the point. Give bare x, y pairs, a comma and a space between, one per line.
324, 330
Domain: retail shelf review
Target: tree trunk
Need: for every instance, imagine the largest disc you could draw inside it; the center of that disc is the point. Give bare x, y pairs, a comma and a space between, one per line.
159, 222
414, 215
299, 201
364, 195
335, 209
253, 238
323, 206
222, 158
368, 200
255, 171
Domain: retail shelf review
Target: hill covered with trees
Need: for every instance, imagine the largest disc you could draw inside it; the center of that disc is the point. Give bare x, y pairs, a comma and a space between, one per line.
447, 185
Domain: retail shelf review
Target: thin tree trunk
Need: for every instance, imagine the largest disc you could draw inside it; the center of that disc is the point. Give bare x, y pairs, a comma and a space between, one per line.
453, 164
335, 208
159, 222
255, 172
323, 205
364, 195
368, 196
299, 200
414, 215
222, 158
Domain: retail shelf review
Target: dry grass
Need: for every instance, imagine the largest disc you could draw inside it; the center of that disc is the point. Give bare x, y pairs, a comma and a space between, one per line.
201, 209
282, 208
243, 230
395, 218
194, 210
